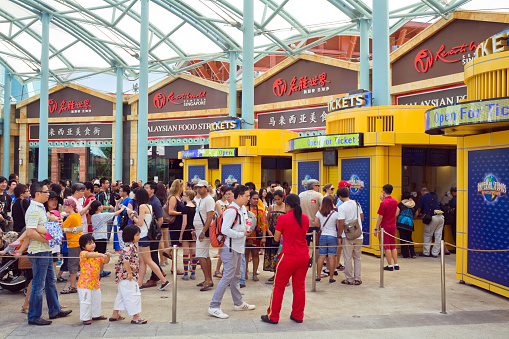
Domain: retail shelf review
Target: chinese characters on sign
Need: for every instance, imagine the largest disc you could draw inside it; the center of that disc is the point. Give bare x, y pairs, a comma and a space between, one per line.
307, 85
93, 131
424, 59
296, 119
72, 106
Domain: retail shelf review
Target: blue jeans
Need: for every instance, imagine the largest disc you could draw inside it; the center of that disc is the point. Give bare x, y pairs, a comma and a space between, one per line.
44, 279
242, 280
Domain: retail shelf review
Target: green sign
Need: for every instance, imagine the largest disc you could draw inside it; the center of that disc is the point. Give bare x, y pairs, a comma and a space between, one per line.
208, 153
467, 113
325, 141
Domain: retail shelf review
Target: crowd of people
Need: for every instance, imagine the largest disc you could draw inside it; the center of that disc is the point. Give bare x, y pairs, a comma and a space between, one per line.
75, 222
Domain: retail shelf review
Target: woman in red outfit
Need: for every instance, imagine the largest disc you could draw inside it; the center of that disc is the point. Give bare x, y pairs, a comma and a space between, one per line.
293, 261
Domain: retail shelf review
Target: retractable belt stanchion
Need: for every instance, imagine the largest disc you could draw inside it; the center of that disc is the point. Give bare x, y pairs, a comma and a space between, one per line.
174, 290
442, 271
381, 258
313, 266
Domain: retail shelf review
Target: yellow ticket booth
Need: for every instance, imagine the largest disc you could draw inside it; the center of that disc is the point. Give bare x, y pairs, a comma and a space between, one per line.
481, 126
388, 146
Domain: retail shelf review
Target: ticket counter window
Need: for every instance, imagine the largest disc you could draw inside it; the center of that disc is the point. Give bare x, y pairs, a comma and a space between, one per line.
276, 169
432, 168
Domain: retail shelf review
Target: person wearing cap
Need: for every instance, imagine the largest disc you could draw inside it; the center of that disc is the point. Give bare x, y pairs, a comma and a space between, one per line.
202, 220
310, 202
73, 230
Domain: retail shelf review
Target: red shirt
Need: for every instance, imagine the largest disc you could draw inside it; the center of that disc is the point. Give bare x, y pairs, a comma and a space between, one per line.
294, 236
88, 201
388, 209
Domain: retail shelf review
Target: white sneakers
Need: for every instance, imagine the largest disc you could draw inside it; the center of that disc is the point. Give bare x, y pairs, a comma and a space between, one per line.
216, 312
244, 307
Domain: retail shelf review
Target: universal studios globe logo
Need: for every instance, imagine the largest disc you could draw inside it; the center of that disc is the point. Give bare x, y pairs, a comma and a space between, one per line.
356, 184
491, 189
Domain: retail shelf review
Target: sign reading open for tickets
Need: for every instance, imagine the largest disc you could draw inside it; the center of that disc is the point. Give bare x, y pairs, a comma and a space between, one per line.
467, 113
325, 141
208, 153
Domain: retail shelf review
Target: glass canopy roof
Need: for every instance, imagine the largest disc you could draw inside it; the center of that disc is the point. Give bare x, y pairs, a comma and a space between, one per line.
97, 36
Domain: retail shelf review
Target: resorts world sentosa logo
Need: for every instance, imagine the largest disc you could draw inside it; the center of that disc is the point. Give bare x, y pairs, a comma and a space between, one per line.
491, 188
356, 184
230, 180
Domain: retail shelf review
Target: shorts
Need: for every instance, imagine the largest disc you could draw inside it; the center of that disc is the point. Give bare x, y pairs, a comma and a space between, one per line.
389, 239
55, 257
310, 236
100, 245
64, 267
128, 297
202, 248
328, 245
73, 262
165, 225
144, 242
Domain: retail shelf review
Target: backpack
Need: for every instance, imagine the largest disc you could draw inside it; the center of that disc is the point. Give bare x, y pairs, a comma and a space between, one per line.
154, 230
406, 220
353, 229
124, 219
217, 238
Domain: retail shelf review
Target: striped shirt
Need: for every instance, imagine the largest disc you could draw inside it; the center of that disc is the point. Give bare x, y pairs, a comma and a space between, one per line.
34, 216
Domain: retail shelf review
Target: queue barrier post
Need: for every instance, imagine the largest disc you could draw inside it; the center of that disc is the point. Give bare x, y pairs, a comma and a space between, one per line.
174, 289
442, 274
313, 266
381, 258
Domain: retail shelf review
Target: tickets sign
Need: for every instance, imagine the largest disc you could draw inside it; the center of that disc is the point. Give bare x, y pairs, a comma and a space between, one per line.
208, 153
325, 141
350, 101
467, 113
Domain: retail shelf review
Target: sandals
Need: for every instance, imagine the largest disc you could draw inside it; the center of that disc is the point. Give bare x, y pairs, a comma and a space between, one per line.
358, 282
169, 256
117, 319
69, 290
139, 321
178, 272
218, 275
87, 322
60, 279
100, 318
346, 282
255, 278
24, 309
206, 286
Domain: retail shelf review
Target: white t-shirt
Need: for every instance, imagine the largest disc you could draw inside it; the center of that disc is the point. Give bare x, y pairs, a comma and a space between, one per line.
203, 206
100, 224
329, 228
349, 211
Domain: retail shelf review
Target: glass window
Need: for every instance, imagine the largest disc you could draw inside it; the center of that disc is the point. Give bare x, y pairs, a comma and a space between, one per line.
33, 162
99, 162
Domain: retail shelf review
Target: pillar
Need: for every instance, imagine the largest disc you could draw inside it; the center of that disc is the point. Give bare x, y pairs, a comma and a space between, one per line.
118, 126
381, 65
248, 66
232, 86
364, 54
42, 172
142, 165
6, 157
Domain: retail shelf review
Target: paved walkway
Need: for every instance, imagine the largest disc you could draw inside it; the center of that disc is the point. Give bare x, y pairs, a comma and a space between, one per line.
409, 304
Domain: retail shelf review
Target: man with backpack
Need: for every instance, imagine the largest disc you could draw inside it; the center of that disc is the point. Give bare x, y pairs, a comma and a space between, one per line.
235, 228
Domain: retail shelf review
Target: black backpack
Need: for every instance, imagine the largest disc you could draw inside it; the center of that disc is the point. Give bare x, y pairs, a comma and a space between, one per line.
124, 219
154, 230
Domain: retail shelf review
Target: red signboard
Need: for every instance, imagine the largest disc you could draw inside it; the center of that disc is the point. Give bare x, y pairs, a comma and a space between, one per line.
178, 99
72, 105
280, 85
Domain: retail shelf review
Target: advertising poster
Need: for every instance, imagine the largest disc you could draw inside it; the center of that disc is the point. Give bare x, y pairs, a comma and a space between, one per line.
308, 170
231, 174
196, 173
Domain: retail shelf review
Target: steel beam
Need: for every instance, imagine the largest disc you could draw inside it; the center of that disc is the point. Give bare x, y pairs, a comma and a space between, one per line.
364, 54
248, 66
381, 65
6, 157
142, 164
273, 15
118, 125
42, 170
232, 86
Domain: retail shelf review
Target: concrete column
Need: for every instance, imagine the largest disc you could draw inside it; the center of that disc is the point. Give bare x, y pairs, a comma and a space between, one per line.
42, 171
381, 64
142, 165
364, 54
6, 157
118, 126
248, 66
232, 85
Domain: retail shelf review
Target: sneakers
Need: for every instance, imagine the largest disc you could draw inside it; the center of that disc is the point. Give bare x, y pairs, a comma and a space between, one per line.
105, 274
216, 312
163, 286
244, 307
185, 277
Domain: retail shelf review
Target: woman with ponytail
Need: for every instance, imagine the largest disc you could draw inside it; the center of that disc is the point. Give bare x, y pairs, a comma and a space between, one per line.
292, 263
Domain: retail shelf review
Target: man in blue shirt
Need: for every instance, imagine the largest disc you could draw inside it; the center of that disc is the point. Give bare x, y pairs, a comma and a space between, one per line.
428, 203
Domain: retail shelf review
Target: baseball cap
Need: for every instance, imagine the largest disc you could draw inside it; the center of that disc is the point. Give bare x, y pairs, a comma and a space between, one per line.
55, 212
203, 183
70, 202
344, 183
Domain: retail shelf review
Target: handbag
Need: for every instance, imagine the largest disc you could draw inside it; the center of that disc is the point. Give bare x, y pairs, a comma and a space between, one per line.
154, 230
353, 229
426, 219
167, 218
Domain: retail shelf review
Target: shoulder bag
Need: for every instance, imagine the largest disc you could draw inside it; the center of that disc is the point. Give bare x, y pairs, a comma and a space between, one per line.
167, 218
426, 219
353, 229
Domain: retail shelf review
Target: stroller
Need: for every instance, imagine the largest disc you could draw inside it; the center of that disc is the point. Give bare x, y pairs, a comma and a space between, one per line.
13, 278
